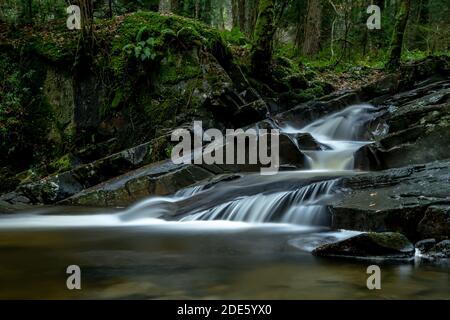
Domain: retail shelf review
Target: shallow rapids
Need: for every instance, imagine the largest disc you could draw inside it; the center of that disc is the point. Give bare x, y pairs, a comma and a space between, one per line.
294, 197
244, 237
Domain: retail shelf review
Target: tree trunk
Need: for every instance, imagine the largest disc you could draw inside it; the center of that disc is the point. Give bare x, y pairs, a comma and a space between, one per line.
242, 15
234, 13
206, 12
252, 15
263, 38
312, 28
175, 6
110, 8
30, 11
221, 19
401, 20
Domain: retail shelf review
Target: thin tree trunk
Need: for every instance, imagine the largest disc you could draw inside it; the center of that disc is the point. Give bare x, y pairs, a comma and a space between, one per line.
312, 28
252, 15
175, 6
110, 8
206, 12
242, 15
221, 22
401, 20
263, 37
30, 11
234, 13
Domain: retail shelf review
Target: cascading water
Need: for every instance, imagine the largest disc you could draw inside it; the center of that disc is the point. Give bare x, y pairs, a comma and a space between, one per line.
341, 135
233, 232
295, 197
300, 206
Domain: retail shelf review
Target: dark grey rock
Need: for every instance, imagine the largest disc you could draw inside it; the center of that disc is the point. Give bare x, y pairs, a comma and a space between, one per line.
306, 141
395, 200
369, 245
159, 179
436, 222
425, 245
440, 251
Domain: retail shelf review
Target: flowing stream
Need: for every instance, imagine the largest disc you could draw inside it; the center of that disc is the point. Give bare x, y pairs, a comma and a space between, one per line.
245, 238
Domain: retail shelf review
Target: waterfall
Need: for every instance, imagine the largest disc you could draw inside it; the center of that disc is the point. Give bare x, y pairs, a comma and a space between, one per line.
301, 206
342, 133
293, 197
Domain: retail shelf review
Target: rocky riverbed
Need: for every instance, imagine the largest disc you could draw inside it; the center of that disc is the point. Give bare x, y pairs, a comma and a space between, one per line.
407, 189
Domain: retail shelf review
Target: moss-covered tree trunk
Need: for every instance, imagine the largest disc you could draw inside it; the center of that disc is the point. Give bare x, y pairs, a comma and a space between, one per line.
401, 20
263, 40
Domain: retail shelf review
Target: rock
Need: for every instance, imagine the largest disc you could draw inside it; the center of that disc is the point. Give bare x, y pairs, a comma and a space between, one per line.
440, 251
435, 223
159, 179
418, 123
306, 113
417, 71
60, 186
289, 153
289, 156
306, 141
13, 202
386, 85
425, 245
394, 200
369, 245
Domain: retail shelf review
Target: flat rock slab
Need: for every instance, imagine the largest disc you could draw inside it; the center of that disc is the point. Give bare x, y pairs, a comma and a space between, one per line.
384, 245
406, 200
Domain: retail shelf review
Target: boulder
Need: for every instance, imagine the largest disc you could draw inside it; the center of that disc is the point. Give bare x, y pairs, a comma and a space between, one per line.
435, 223
440, 251
418, 123
369, 245
425, 245
159, 179
306, 113
306, 141
432, 251
395, 200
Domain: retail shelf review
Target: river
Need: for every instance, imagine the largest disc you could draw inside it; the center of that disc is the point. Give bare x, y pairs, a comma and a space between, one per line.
248, 238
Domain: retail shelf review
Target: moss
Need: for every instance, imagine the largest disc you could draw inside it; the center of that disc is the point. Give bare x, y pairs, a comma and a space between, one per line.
56, 43
168, 32
176, 68
117, 99
60, 165
390, 240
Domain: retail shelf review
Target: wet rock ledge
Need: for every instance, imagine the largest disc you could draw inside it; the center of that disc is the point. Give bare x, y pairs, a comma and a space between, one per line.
413, 200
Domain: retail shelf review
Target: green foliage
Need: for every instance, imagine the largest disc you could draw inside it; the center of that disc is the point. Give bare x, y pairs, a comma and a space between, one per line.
23, 115
142, 50
236, 36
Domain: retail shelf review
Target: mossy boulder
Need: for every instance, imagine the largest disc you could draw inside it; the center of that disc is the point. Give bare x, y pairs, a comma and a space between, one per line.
178, 70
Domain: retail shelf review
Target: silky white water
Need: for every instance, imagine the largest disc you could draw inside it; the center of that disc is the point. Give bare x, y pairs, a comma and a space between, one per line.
296, 197
246, 238
341, 133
